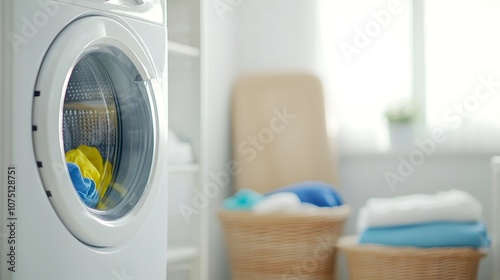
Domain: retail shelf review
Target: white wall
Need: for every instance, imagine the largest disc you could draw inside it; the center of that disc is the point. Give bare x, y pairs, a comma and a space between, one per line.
221, 53
253, 37
277, 35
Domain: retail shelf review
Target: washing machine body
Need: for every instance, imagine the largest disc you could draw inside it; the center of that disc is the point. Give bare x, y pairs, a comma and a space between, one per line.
83, 123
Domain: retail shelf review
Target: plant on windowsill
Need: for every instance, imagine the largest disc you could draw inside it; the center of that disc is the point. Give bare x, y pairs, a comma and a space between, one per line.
400, 117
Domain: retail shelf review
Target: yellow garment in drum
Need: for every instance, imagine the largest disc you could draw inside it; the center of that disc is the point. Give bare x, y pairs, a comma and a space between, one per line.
93, 155
88, 169
104, 168
106, 180
115, 194
93, 166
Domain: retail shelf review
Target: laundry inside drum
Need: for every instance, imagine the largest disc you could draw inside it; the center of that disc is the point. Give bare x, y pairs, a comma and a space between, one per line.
90, 126
108, 133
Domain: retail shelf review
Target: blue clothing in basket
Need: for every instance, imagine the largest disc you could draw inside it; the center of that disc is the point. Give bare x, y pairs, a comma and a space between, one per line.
243, 200
440, 234
314, 192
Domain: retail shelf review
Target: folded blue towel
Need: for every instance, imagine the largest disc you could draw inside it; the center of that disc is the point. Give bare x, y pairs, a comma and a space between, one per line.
242, 200
85, 187
442, 234
315, 192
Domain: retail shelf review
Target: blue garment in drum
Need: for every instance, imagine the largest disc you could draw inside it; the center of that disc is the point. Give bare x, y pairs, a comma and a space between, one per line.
85, 187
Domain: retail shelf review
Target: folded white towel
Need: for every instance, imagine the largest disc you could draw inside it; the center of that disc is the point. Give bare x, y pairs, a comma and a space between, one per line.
453, 205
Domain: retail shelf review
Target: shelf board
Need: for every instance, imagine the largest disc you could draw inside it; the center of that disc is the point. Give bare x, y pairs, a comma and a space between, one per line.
180, 254
183, 168
179, 267
182, 49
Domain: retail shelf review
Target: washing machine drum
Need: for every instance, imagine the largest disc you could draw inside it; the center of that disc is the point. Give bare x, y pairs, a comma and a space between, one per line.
95, 133
108, 134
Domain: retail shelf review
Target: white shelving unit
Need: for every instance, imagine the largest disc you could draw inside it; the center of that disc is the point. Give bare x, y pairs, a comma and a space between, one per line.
184, 168
187, 238
176, 255
182, 49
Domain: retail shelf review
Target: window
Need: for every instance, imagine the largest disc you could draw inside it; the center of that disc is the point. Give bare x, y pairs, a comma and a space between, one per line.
374, 56
462, 52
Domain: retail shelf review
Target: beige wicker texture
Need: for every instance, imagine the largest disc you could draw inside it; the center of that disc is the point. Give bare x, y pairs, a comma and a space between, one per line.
376, 262
283, 246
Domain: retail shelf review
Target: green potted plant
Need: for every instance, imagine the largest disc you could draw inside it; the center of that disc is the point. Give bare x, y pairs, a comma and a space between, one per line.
400, 117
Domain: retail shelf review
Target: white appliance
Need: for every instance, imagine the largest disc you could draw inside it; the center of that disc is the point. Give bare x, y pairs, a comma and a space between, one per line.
92, 73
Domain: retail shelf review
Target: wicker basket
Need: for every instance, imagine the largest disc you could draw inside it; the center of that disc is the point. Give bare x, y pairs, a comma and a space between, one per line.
283, 246
377, 262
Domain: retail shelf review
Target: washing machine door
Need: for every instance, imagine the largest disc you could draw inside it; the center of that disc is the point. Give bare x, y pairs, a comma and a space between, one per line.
97, 116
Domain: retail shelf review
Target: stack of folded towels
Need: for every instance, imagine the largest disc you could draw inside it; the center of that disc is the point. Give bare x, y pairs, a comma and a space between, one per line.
446, 219
303, 196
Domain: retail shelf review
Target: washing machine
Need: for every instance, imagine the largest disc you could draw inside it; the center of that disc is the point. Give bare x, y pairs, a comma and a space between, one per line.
83, 140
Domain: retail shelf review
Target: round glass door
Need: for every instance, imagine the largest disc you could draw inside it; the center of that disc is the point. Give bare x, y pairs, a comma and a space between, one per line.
108, 132
97, 112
